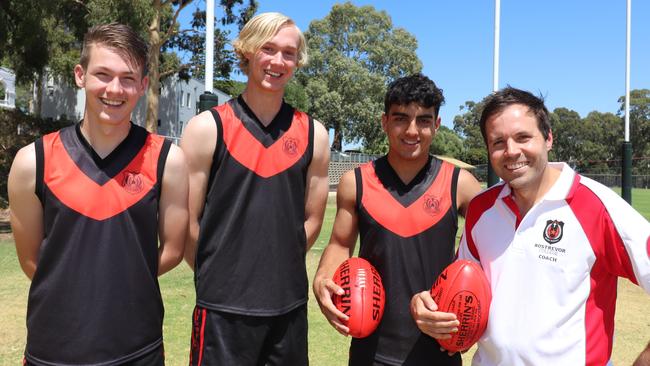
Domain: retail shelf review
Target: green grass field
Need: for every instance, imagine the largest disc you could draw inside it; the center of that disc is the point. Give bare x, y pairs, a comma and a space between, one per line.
326, 346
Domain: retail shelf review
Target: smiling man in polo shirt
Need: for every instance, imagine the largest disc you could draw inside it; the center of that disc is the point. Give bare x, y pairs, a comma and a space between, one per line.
552, 243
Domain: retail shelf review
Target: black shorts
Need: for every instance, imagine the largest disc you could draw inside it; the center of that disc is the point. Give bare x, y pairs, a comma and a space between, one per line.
220, 338
425, 351
153, 358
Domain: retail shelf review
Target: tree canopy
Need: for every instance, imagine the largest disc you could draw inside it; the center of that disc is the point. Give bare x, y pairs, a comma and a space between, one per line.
589, 144
466, 125
446, 142
48, 33
639, 121
294, 93
354, 53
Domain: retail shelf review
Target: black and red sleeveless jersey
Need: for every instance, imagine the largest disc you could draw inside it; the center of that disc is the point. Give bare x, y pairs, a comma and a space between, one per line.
252, 243
94, 299
407, 232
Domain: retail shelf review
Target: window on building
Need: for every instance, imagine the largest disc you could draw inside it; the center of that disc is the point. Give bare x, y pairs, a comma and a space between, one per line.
3, 91
189, 96
181, 99
49, 85
180, 128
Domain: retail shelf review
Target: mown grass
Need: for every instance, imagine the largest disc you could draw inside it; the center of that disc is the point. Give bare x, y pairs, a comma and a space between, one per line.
326, 346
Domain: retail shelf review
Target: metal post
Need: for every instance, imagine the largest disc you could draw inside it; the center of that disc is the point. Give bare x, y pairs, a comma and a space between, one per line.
626, 171
208, 100
492, 177
209, 44
626, 178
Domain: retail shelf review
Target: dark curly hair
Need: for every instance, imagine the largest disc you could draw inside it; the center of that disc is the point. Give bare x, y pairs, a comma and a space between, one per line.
496, 102
415, 88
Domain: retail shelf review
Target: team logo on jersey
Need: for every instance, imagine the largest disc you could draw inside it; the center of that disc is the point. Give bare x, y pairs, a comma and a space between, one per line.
290, 146
132, 182
553, 231
431, 205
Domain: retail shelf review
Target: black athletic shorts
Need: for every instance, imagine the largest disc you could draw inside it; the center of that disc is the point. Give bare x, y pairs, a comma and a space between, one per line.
425, 351
220, 338
153, 358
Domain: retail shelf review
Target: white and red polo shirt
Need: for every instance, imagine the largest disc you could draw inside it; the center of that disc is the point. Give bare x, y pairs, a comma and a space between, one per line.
553, 272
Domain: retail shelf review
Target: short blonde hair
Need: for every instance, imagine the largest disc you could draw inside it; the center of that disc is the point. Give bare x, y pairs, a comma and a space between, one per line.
260, 30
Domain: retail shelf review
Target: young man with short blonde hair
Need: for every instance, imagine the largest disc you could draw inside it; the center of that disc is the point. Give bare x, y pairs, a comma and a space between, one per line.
258, 188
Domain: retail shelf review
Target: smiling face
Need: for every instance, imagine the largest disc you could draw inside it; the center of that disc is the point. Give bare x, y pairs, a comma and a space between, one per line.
273, 65
517, 149
113, 86
410, 129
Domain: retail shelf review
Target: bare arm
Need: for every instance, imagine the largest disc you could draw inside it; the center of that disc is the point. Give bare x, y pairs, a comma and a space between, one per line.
317, 184
644, 357
468, 187
198, 144
26, 209
340, 248
173, 213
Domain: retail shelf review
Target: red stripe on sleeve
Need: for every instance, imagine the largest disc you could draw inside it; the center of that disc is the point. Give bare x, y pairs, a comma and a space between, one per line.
605, 240
612, 260
510, 202
477, 206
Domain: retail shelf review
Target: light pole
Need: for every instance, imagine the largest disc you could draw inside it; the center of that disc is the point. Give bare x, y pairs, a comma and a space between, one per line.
626, 171
208, 100
492, 177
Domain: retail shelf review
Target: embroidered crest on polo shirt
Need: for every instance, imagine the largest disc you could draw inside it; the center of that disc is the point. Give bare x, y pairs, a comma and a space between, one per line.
431, 205
290, 146
553, 231
132, 182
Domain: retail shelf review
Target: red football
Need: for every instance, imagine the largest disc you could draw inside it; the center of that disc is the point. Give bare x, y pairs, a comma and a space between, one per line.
463, 289
363, 298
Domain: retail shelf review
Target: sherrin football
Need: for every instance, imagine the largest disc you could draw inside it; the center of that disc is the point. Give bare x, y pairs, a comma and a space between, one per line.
463, 289
363, 296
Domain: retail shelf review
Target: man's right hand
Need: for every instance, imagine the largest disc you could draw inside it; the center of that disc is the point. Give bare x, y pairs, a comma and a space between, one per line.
430, 321
324, 289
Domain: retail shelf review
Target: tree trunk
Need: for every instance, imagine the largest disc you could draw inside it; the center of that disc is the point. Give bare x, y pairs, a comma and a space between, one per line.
337, 143
38, 98
153, 93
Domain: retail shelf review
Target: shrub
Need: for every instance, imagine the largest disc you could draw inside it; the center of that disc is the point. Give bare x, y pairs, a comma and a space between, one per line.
17, 130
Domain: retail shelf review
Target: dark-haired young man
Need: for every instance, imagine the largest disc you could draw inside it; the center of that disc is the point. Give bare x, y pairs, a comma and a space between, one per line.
404, 206
89, 204
552, 243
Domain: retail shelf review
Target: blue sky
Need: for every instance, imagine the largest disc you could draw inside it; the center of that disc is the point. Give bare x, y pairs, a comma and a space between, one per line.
570, 51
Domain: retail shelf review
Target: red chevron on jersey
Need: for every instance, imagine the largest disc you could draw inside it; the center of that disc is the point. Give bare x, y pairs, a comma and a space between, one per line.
406, 221
80, 193
249, 152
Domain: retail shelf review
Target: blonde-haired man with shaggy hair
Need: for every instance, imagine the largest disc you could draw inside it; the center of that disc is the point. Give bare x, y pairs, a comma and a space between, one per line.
261, 29
258, 188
